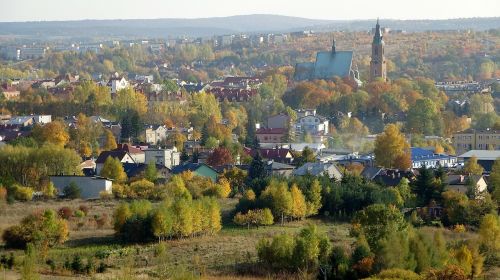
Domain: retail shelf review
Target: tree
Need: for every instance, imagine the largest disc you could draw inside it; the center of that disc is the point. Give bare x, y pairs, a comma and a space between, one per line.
472, 167
109, 141
423, 118
494, 181
220, 156
28, 269
299, 208
377, 221
72, 191
113, 169
307, 155
427, 187
53, 132
279, 199
151, 173
391, 147
257, 168
41, 229
489, 235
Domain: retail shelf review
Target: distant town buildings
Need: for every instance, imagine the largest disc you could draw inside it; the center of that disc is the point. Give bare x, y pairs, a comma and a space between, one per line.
472, 139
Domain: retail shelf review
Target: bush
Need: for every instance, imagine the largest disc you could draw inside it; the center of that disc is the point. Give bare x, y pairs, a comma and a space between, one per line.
23, 193
101, 221
72, 191
84, 209
257, 217
39, 229
79, 214
65, 212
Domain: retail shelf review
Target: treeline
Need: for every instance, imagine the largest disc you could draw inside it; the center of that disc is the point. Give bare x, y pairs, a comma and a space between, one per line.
387, 247
139, 221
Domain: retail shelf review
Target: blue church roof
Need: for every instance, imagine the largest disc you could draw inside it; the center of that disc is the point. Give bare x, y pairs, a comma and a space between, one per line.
328, 64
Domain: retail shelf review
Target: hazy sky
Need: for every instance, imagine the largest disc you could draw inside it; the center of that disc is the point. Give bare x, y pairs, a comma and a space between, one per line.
35, 10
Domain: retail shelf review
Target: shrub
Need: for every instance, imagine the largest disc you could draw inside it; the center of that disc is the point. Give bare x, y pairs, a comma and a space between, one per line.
79, 214
72, 191
23, 193
142, 188
3, 194
101, 221
255, 217
84, 209
65, 212
44, 229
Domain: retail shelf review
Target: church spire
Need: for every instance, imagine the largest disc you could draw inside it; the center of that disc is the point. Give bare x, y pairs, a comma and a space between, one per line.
333, 45
378, 38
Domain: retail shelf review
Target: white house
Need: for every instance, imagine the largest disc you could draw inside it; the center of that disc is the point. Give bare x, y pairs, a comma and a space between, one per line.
90, 187
122, 156
117, 83
42, 119
155, 134
164, 157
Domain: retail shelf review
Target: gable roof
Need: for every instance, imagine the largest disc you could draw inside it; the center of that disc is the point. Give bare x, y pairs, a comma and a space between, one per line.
392, 177
128, 148
370, 172
189, 167
318, 169
278, 166
462, 179
270, 131
274, 154
116, 154
330, 64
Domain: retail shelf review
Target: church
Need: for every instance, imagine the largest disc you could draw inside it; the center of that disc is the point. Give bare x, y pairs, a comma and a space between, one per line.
333, 63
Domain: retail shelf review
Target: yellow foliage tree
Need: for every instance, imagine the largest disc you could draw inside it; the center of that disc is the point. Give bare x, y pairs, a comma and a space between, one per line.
472, 167
299, 208
391, 148
109, 141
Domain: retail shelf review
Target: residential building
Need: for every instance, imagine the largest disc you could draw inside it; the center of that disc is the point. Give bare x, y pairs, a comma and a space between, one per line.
155, 134
122, 156
42, 119
387, 177
273, 168
271, 135
281, 155
20, 121
313, 125
135, 153
90, 187
198, 169
472, 139
117, 83
425, 157
9, 92
279, 121
164, 157
32, 52
461, 183
319, 169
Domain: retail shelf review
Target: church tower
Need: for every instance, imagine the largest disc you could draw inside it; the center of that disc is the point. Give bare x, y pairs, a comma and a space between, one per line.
378, 66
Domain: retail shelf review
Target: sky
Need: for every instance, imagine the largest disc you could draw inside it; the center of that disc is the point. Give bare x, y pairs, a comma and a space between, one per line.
48, 10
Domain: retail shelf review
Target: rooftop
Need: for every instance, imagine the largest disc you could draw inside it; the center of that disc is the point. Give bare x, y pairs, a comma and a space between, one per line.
481, 154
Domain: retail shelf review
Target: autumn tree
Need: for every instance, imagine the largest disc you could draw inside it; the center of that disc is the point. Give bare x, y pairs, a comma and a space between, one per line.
220, 156
113, 169
43, 229
299, 208
109, 141
472, 167
54, 132
391, 148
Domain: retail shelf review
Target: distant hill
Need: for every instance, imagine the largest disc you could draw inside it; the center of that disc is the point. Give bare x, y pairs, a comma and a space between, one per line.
204, 27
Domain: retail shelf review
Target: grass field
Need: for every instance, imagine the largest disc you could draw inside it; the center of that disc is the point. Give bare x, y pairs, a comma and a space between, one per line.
230, 254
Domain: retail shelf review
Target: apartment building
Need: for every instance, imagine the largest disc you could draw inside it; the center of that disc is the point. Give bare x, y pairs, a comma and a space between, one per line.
472, 139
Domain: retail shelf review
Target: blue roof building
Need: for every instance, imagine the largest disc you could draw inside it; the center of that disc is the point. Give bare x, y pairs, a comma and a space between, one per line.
425, 157
328, 64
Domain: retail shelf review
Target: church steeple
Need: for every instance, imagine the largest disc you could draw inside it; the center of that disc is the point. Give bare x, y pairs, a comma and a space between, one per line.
378, 67
333, 46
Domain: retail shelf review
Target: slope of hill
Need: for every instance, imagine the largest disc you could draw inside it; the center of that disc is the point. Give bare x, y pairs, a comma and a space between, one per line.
204, 27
